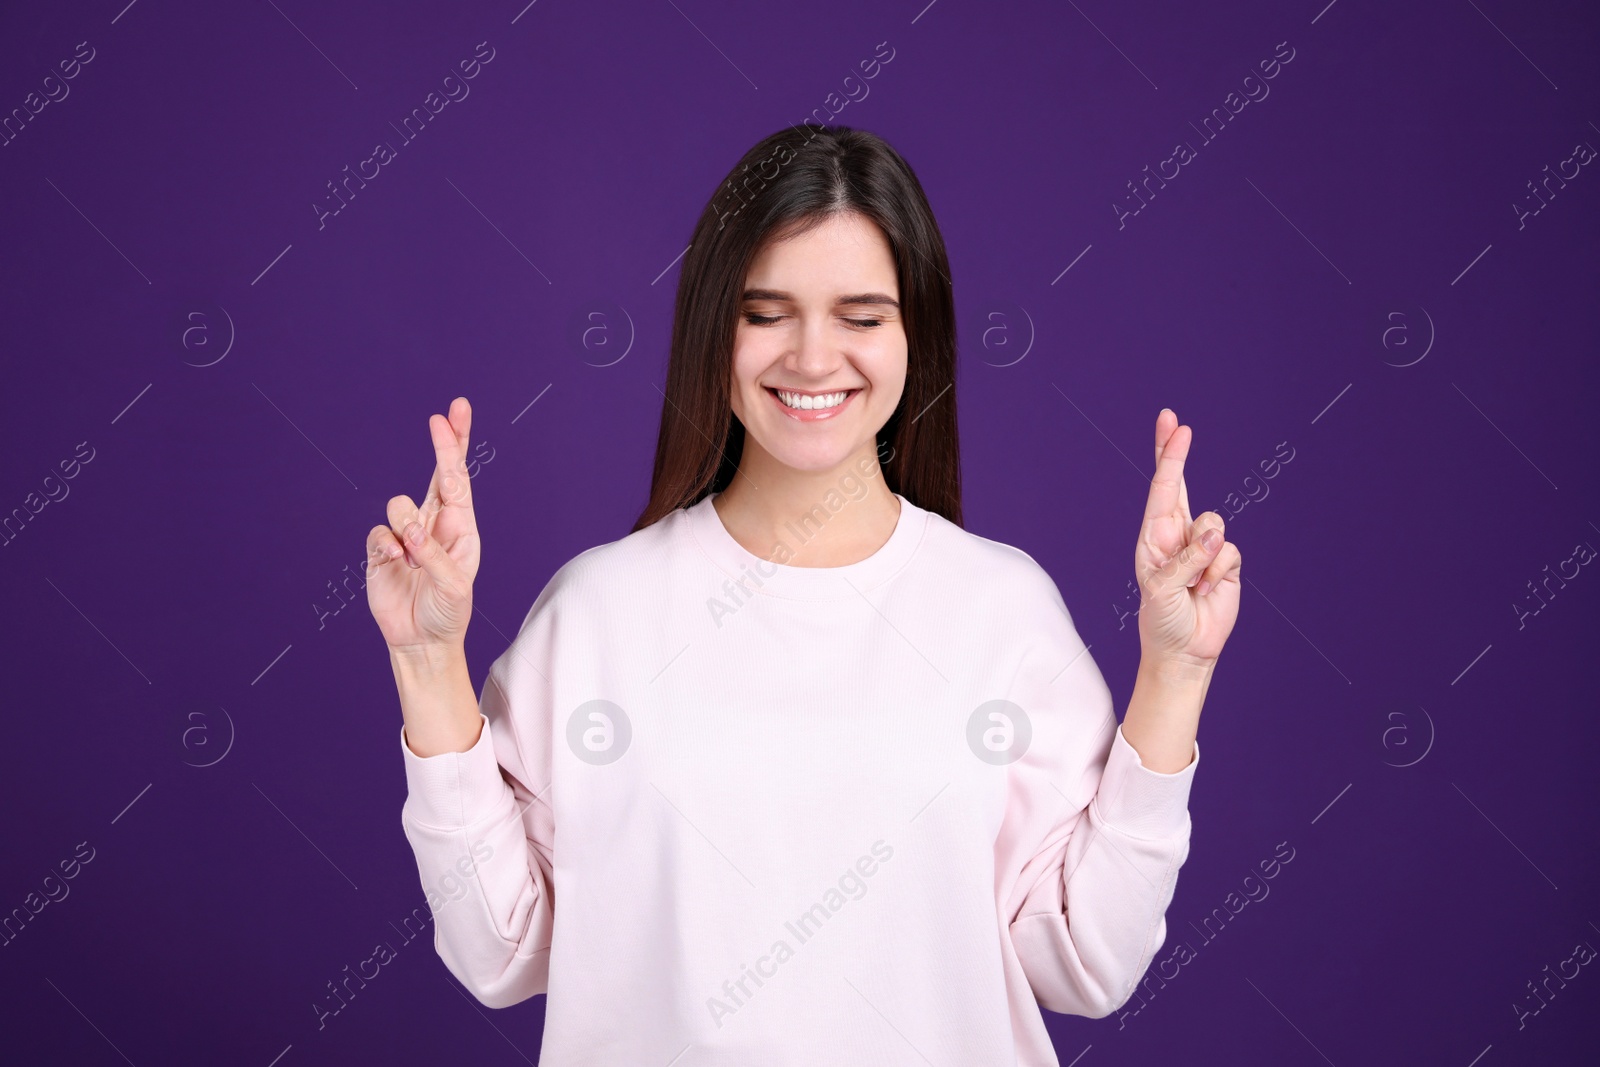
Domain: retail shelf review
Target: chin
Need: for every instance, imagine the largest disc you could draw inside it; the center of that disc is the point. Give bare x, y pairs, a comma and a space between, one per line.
811, 459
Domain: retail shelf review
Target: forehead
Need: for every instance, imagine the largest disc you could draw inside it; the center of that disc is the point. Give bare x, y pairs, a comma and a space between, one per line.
842, 253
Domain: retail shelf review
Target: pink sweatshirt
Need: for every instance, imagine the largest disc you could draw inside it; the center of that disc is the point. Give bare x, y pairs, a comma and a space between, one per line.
732, 812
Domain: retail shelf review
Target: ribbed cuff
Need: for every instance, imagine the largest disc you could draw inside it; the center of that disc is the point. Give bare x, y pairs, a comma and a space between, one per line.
1140, 802
453, 789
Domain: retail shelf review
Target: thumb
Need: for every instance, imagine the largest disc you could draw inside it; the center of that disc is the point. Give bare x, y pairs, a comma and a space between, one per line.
423, 548
1185, 568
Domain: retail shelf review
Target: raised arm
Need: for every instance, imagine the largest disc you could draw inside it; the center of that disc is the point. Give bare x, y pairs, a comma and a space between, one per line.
1098, 836
481, 836
481, 829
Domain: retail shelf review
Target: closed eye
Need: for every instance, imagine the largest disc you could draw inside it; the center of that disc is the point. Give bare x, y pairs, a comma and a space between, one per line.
767, 320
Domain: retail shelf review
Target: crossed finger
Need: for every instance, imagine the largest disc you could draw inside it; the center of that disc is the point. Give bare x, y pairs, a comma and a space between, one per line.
1162, 440
1169, 495
449, 485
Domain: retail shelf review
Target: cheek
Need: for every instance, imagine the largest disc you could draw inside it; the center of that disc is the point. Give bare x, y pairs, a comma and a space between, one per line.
888, 369
746, 363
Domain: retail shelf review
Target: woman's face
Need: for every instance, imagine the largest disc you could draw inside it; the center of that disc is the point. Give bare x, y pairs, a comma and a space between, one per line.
820, 317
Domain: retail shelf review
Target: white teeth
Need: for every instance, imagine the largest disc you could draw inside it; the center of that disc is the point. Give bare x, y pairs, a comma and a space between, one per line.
802, 402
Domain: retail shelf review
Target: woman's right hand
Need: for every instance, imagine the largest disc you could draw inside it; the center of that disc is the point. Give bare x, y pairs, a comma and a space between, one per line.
421, 565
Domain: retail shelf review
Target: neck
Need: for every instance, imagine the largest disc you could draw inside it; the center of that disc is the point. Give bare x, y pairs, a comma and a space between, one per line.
827, 518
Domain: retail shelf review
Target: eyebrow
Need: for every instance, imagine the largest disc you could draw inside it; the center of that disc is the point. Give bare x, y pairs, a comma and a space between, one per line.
852, 298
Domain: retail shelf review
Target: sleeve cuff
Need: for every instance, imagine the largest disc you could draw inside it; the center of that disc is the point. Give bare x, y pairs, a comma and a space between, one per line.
1140, 802
453, 789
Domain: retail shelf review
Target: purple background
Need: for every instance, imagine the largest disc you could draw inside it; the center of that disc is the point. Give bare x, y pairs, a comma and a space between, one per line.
180, 599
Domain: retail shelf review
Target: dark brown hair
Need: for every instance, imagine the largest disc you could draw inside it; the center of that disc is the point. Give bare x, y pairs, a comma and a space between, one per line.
787, 183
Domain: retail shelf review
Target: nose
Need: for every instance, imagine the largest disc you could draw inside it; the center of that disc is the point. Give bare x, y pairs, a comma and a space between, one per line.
815, 354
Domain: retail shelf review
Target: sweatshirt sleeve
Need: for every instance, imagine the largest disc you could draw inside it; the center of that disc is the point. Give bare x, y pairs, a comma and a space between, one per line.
1100, 836
481, 827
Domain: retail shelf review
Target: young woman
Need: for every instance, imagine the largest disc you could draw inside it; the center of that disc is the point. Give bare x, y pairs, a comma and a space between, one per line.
800, 771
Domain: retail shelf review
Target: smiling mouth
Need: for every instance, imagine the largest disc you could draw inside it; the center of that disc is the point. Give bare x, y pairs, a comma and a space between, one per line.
812, 401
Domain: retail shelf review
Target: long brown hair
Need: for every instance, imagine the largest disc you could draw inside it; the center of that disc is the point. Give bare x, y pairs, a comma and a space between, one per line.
787, 183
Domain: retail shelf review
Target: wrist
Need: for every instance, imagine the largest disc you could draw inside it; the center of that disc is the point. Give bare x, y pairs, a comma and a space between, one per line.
1176, 669
426, 663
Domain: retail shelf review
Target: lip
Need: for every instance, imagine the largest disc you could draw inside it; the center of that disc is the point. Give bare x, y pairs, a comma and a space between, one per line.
812, 416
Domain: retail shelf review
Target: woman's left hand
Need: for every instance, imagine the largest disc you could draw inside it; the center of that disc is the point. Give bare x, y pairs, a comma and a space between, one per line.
1189, 592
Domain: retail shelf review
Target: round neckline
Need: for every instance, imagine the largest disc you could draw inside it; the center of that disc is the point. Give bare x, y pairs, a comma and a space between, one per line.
759, 575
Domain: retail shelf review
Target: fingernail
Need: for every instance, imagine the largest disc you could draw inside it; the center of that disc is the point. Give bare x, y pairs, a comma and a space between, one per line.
414, 533
1205, 587
1210, 540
